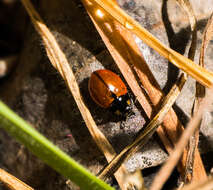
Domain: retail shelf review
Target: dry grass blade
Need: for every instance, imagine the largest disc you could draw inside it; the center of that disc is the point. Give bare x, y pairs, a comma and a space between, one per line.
147, 133
208, 33
188, 66
193, 142
129, 60
60, 62
200, 185
162, 176
199, 95
185, 4
12, 182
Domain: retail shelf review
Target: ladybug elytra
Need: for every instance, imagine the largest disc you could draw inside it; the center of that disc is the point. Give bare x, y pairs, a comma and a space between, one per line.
108, 90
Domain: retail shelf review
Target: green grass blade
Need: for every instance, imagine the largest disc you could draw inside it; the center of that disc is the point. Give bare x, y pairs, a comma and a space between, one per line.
49, 153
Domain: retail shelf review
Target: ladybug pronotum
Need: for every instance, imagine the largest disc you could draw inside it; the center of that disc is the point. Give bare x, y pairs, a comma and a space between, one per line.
109, 91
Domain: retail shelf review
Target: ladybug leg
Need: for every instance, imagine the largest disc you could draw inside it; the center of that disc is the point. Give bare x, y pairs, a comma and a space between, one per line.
133, 99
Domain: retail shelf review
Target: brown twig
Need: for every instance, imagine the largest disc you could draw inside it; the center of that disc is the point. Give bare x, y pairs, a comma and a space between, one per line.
173, 159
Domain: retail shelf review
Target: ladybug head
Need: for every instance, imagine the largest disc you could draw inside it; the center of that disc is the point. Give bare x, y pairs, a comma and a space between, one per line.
121, 105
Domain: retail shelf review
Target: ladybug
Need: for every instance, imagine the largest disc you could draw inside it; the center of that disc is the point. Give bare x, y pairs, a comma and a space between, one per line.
108, 91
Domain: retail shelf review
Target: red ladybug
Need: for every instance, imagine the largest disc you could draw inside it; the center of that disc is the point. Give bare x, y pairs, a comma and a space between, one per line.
109, 91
